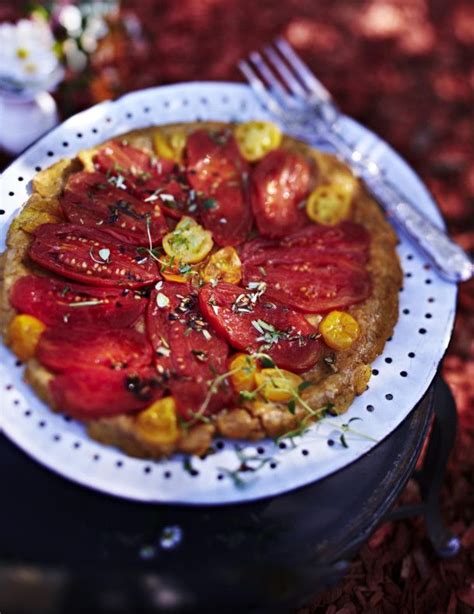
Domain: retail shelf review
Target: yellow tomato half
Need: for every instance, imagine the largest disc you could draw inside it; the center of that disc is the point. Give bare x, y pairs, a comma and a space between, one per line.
257, 138
278, 384
169, 146
223, 265
339, 330
175, 271
23, 335
244, 378
188, 242
329, 204
158, 423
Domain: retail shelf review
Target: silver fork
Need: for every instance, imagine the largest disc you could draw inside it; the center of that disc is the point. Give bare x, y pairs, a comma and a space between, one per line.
291, 92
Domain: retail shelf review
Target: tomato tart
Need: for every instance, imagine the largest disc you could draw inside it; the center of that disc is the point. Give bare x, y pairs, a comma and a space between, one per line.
192, 280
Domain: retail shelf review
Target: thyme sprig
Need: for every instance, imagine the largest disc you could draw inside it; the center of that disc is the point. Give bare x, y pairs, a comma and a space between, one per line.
345, 428
249, 463
314, 413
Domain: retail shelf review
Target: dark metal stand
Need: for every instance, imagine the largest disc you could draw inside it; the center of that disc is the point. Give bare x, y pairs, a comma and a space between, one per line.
75, 550
430, 475
441, 439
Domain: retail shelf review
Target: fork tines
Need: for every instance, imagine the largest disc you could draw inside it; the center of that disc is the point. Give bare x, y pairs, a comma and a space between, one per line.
280, 69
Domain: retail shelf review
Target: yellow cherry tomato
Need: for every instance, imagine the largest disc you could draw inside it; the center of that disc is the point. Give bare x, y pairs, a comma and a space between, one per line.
170, 146
339, 330
23, 335
244, 378
173, 270
176, 277
224, 265
257, 138
277, 384
329, 204
188, 242
158, 424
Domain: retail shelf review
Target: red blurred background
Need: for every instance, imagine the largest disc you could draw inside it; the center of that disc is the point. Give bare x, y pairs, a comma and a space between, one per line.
405, 69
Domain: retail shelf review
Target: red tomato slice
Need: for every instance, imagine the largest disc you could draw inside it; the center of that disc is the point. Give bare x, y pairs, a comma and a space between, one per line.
347, 239
188, 354
161, 182
218, 173
254, 324
63, 349
314, 286
315, 269
90, 200
91, 256
50, 301
88, 394
180, 334
191, 395
280, 182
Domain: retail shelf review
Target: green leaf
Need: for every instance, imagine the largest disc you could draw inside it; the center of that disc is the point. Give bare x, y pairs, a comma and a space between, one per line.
305, 385
209, 203
187, 466
292, 406
245, 395
267, 363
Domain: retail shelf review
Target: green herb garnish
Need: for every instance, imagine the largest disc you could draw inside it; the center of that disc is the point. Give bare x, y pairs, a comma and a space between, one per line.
209, 204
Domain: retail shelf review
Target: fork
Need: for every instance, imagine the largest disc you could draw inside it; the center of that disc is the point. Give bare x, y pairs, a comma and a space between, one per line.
285, 85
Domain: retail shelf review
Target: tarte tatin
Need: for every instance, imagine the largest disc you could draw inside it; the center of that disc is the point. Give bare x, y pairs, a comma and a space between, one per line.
195, 280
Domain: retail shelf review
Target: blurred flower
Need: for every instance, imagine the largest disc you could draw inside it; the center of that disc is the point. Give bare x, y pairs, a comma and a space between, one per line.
28, 61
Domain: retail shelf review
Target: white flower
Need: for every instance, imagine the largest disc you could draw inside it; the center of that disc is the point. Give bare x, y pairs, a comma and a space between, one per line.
27, 57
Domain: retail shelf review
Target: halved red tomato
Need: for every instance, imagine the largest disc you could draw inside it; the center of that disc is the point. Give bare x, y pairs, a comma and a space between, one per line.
188, 354
316, 269
62, 303
317, 285
63, 349
348, 239
251, 322
156, 181
179, 332
91, 256
88, 394
280, 182
218, 173
90, 200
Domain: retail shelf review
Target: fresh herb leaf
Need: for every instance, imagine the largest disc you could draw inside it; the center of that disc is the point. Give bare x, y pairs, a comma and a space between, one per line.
304, 385
187, 466
209, 204
267, 363
292, 406
245, 395
184, 268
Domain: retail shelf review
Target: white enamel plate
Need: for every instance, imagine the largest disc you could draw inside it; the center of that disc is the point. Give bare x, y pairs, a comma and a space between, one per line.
400, 377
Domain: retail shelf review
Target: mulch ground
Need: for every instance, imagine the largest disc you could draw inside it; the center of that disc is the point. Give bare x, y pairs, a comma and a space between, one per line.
403, 68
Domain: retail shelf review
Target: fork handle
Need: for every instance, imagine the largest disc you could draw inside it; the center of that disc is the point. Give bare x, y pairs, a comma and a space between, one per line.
450, 259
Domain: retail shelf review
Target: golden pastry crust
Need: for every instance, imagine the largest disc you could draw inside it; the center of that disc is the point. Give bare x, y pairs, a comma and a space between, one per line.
337, 377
